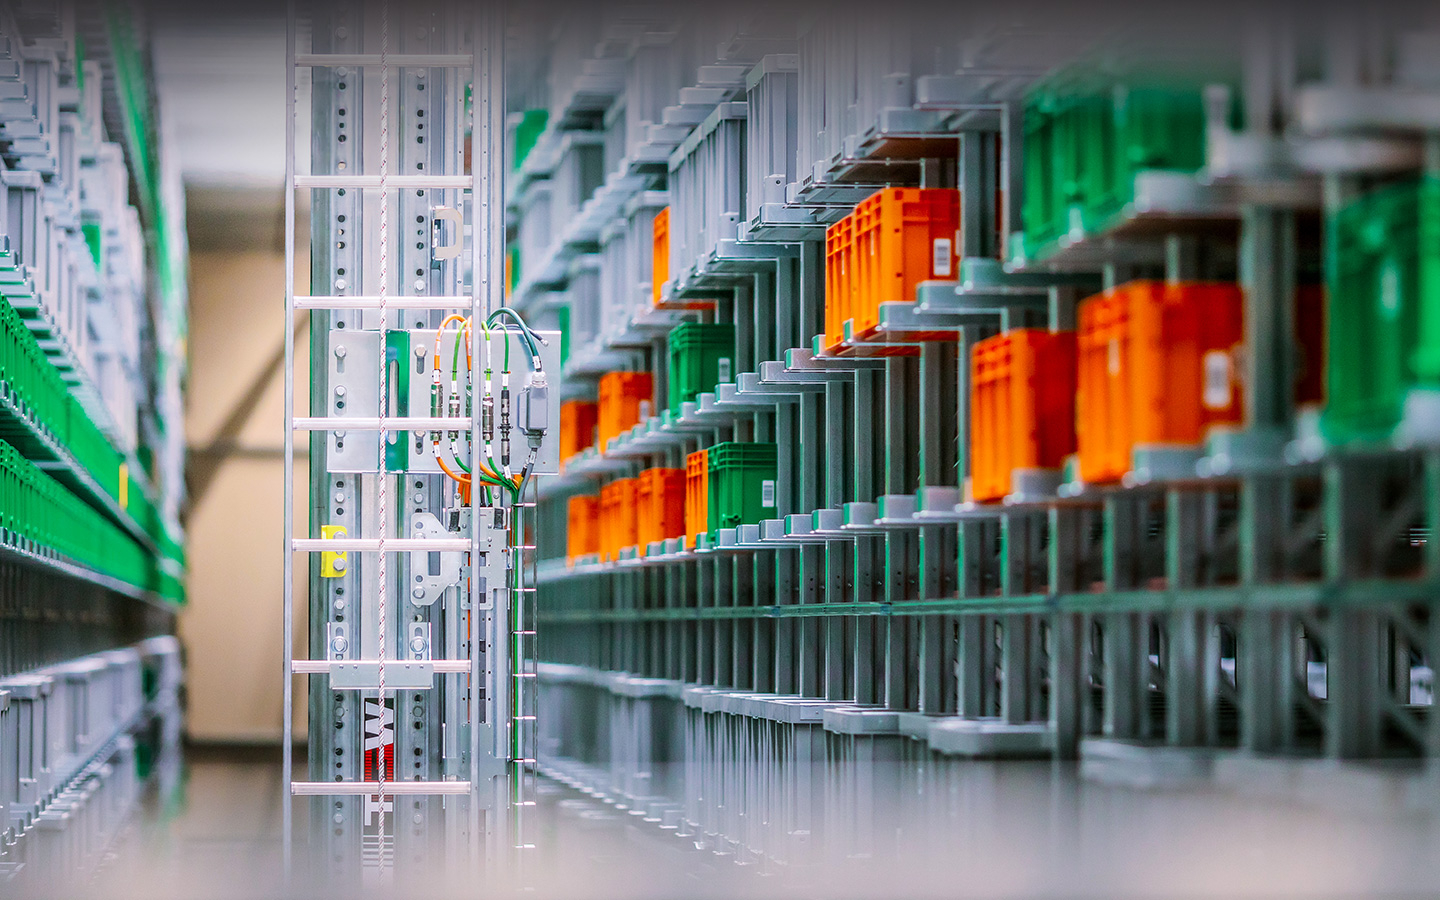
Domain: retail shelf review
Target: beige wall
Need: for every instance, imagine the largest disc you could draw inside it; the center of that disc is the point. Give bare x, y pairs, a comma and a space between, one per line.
232, 626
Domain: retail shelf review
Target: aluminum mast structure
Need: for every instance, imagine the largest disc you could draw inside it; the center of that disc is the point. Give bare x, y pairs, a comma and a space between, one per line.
419, 641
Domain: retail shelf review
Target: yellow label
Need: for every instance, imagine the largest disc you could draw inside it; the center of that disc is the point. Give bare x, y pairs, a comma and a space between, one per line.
329, 558
124, 492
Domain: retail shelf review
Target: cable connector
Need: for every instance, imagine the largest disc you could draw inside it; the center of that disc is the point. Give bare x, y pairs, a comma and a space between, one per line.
534, 411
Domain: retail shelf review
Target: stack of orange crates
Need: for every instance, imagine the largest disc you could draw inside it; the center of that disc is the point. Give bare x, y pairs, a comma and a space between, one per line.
1022, 407
617, 517
895, 239
583, 533
1156, 366
625, 399
577, 427
660, 498
697, 496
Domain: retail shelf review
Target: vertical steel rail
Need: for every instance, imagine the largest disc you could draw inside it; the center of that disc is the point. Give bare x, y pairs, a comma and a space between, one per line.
477, 674
286, 749
492, 101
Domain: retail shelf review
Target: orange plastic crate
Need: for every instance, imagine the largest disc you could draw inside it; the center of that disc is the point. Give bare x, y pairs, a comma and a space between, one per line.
660, 258
660, 500
617, 517
1156, 366
697, 496
902, 236
1022, 407
577, 427
839, 286
625, 399
583, 531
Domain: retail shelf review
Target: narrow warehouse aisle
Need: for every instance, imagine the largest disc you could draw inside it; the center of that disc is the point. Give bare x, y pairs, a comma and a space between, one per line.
667, 449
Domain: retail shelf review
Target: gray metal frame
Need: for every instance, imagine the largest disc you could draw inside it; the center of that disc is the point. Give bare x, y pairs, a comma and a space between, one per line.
458, 667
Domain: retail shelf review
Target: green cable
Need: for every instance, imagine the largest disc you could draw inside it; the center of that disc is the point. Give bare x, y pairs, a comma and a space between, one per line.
455, 377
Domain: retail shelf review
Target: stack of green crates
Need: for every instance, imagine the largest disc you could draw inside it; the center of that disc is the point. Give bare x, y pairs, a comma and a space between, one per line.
29, 381
38, 400
39, 515
742, 484
701, 356
1089, 131
1382, 262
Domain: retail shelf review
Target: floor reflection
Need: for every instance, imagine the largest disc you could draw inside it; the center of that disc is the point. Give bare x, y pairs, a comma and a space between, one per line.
1257, 829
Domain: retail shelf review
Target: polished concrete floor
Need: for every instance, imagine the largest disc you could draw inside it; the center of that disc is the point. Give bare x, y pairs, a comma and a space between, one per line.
1014, 830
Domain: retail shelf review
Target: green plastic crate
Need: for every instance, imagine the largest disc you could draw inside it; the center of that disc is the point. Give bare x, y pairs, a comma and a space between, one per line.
527, 131
29, 380
1156, 125
563, 316
701, 356
742, 484
1089, 131
1382, 271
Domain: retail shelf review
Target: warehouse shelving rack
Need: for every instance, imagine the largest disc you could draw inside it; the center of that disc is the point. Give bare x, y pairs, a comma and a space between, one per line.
92, 300
1264, 594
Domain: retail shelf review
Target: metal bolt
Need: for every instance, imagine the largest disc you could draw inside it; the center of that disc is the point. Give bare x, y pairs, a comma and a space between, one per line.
339, 818
340, 284
339, 605
340, 390
420, 350
419, 284
338, 565
339, 351
418, 593
339, 497
418, 819
339, 644
417, 646
419, 497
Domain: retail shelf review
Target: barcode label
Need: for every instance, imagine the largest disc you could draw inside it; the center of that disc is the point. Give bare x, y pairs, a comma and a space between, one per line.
767, 493
943, 255
1217, 380
724, 370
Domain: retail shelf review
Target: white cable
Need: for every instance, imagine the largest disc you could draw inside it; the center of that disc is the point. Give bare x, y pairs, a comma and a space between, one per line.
384, 386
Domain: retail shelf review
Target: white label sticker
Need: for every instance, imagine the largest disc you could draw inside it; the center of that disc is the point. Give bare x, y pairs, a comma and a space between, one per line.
943, 255
1112, 357
1216, 394
767, 493
645, 410
724, 370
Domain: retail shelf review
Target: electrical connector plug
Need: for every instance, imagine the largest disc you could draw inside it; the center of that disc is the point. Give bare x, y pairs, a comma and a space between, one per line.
534, 409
